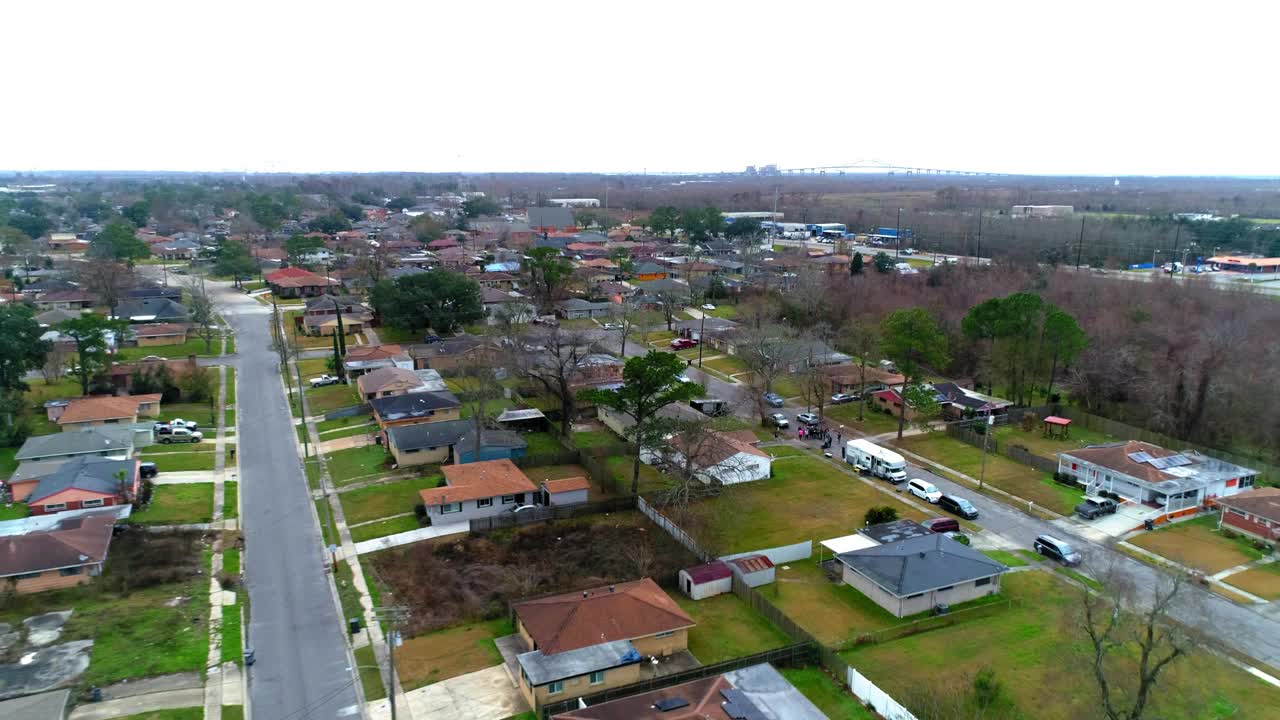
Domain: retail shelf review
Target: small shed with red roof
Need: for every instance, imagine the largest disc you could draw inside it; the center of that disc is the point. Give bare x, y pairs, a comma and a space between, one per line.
755, 570
704, 581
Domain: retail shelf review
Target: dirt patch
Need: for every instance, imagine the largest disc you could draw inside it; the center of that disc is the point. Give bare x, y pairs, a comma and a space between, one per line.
477, 576
47, 628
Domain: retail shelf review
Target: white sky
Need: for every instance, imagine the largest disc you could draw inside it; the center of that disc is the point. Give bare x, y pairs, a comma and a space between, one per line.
1117, 87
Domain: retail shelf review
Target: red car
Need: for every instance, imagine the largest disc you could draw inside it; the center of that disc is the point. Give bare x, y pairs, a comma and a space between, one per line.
683, 343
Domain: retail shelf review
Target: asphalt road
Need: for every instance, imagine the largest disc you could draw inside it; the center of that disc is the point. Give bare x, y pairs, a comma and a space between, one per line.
303, 670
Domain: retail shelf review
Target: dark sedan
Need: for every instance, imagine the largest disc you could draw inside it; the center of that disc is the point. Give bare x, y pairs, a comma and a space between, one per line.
958, 506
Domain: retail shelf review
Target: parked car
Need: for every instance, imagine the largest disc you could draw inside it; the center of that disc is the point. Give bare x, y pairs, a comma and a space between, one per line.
521, 508
924, 490
180, 423
959, 506
779, 420
683, 343
708, 306
841, 398
1094, 506
431, 339
683, 378
942, 524
612, 326
182, 435
773, 400
908, 251
324, 380
1051, 547
147, 470
809, 418
162, 428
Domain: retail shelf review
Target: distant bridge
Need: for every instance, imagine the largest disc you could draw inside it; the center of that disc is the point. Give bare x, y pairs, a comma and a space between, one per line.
877, 165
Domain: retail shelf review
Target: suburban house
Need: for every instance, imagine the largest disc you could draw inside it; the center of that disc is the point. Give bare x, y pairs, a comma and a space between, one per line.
49, 318
175, 249
66, 300
294, 282
551, 219
157, 334
705, 327
597, 370
854, 378
477, 490
367, 358
415, 408
584, 642
508, 302
456, 352
321, 315
76, 484
1171, 482
725, 458
389, 381
101, 441
958, 401
425, 443
916, 574
649, 271
1255, 513
151, 310
70, 551
95, 410
756, 692
578, 309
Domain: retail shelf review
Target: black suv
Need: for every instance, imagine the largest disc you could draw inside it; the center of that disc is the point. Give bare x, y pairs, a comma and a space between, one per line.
147, 470
1051, 547
958, 506
1094, 506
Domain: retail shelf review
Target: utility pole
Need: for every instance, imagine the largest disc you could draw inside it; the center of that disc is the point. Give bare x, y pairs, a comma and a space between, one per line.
982, 472
978, 253
1080, 244
395, 616
702, 335
897, 251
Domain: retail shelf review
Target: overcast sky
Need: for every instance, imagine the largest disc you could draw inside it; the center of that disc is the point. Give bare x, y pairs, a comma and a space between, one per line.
1117, 87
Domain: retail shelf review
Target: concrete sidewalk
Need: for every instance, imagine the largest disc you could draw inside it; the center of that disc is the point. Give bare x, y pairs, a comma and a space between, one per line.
138, 704
411, 536
482, 695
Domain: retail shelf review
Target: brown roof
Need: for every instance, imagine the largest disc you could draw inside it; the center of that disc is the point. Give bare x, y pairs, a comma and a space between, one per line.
159, 330
1262, 502
566, 484
716, 448
72, 542
472, 481
743, 436
382, 377
1116, 457
703, 696
618, 612
99, 407
373, 352
752, 563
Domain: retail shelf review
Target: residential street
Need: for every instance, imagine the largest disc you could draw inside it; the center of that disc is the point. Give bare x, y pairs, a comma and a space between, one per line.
303, 669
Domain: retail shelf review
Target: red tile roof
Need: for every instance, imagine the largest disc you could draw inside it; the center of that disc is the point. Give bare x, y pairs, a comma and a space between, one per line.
618, 612
473, 481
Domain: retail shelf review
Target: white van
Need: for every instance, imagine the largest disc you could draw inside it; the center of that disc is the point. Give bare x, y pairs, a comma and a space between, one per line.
924, 490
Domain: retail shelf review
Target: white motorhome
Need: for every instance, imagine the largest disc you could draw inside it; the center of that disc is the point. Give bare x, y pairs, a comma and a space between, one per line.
870, 458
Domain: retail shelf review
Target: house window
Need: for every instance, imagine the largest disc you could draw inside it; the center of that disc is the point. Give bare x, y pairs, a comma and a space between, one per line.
96, 502
410, 451
112, 421
1241, 513
484, 502
665, 634
1246, 482
67, 572
508, 499
944, 589
1073, 466
982, 581
555, 688
447, 508
55, 507
27, 576
596, 677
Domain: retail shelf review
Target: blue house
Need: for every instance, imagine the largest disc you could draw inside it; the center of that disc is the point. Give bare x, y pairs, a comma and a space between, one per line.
494, 445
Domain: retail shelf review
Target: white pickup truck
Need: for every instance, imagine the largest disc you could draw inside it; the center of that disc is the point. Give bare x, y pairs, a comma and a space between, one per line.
324, 380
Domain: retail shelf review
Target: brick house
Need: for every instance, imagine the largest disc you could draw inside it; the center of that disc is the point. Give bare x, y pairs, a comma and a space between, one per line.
96, 410
77, 484
321, 315
477, 490
69, 552
1255, 513
158, 334
294, 282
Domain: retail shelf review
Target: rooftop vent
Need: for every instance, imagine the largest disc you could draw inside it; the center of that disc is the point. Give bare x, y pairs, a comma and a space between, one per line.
670, 704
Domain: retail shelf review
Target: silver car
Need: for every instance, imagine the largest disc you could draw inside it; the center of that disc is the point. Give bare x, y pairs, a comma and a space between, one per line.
773, 400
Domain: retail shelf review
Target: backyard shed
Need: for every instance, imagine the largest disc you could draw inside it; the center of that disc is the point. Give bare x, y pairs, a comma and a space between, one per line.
565, 491
755, 570
704, 581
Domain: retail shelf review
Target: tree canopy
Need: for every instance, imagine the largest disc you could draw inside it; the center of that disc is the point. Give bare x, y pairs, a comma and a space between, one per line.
442, 300
747, 227
548, 273
426, 228
331, 223
89, 331
21, 349
138, 213
911, 339
299, 246
1027, 338
664, 220
33, 225
234, 260
477, 206
702, 223
119, 241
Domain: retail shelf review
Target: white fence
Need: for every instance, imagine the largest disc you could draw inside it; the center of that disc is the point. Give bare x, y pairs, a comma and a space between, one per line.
673, 530
780, 555
879, 700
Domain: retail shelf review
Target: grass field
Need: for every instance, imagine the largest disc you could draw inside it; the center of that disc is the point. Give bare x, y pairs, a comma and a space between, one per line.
542, 443
1263, 581
384, 528
330, 397
594, 438
177, 505
492, 407
16, 511
728, 312
345, 465
1036, 645
1198, 544
451, 652
726, 365
830, 696
1036, 442
230, 500
203, 413
832, 611
384, 500
873, 423
370, 677
728, 628
1001, 472
806, 499
313, 367
194, 346
191, 457
325, 426
7, 462
1008, 558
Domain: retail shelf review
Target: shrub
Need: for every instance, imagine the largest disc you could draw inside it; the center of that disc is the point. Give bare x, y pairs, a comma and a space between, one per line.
228, 580
961, 538
1028, 422
880, 514
986, 688
1064, 479
420, 512
1229, 534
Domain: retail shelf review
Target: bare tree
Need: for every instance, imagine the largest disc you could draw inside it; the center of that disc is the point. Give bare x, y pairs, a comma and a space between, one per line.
56, 364
556, 364
862, 339
481, 391
767, 352
203, 308
669, 303
108, 280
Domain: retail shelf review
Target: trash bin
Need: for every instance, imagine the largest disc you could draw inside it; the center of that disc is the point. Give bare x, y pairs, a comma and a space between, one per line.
95, 694
249, 656
353, 625
1149, 524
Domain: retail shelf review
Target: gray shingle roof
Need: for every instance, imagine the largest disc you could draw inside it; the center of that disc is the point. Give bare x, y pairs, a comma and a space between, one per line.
542, 669
91, 474
399, 407
427, 435
492, 439
89, 441
157, 308
920, 564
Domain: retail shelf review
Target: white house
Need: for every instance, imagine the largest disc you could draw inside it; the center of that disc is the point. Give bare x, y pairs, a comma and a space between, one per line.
722, 457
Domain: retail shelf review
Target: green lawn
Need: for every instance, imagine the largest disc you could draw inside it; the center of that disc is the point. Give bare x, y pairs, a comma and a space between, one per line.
230, 501
385, 499
182, 460
325, 426
345, 465
1036, 645
829, 695
492, 407
542, 443
16, 511
204, 413
830, 610
232, 646
177, 505
232, 712
327, 531
330, 397
231, 386
1012, 477
620, 467
311, 467
196, 713
595, 438
728, 628
231, 561
451, 652
370, 677
820, 502
1008, 558
396, 335
727, 365
39, 391
872, 423
384, 528
193, 346
728, 312
1198, 544
369, 429
313, 367
7, 461
1037, 443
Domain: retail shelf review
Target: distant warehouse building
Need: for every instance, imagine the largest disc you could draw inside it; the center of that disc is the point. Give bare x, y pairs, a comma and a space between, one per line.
1041, 210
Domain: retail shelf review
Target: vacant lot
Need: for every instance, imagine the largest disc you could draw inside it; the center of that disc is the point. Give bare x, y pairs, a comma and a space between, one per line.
830, 696
347, 465
330, 397
830, 610
194, 346
1001, 472
177, 505
1198, 544
179, 458
728, 628
450, 652
385, 499
1036, 442
806, 499
1263, 581
470, 578
1035, 646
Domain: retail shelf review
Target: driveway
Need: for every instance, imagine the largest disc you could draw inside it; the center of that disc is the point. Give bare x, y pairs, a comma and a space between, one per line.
481, 695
